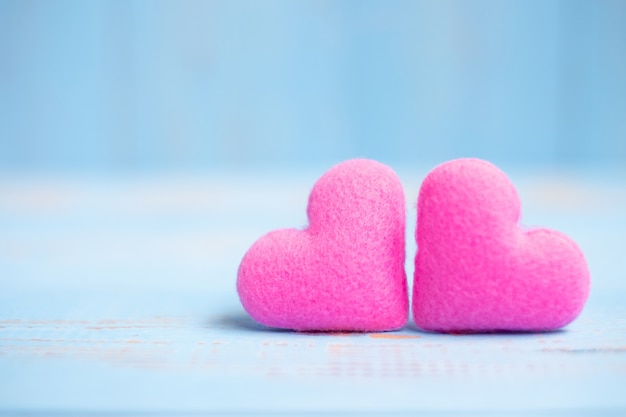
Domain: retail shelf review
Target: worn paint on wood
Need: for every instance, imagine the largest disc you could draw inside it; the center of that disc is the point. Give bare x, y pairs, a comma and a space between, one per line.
112, 305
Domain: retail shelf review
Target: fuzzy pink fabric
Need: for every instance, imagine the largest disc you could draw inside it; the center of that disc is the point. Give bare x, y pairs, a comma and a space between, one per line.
476, 270
345, 271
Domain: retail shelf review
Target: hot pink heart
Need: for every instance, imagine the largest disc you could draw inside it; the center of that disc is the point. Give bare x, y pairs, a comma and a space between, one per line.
345, 271
476, 270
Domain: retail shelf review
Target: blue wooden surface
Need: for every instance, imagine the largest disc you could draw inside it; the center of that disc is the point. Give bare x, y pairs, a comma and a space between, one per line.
117, 297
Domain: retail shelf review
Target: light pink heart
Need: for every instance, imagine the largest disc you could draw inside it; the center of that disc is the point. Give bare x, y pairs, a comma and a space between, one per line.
477, 270
345, 271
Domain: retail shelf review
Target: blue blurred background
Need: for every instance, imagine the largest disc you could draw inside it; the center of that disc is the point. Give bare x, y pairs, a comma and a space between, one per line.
111, 86
146, 145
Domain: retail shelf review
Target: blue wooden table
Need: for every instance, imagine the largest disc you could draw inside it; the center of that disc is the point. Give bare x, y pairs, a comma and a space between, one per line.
117, 297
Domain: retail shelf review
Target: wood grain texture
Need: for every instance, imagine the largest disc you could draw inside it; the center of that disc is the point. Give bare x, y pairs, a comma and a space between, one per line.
117, 298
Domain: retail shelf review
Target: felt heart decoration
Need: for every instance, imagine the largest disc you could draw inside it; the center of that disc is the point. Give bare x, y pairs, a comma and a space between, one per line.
476, 270
345, 271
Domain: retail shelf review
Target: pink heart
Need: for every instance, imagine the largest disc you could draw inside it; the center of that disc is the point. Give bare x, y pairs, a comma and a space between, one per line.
345, 271
477, 270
